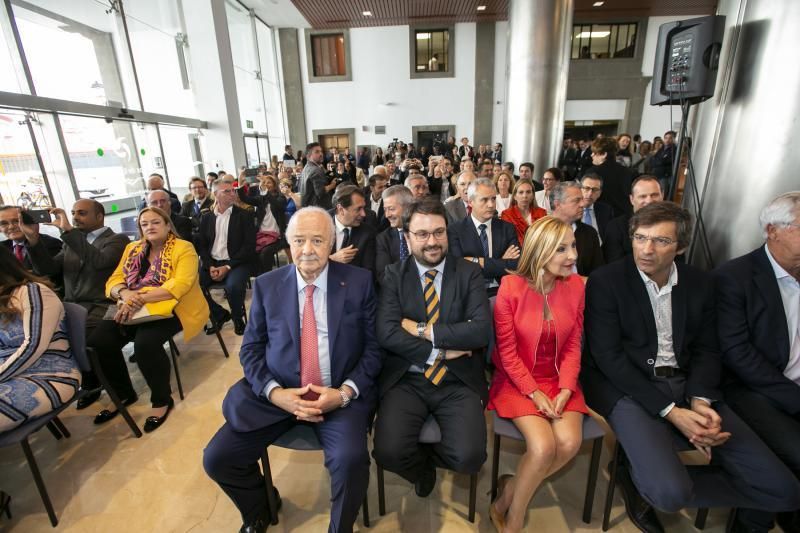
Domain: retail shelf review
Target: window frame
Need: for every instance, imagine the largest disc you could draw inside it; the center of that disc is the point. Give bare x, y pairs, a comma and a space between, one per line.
611, 24
313, 78
451, 51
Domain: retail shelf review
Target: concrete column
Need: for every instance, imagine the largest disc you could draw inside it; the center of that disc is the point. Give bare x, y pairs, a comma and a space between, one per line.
293, 88
538, 67
484, 83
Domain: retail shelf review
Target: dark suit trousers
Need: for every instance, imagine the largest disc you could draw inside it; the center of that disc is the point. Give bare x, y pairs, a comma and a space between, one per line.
744, 473
403, 410
235, 284
95, 313
231, 460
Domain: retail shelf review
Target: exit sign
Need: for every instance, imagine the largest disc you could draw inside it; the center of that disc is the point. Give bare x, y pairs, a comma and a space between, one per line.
249, 124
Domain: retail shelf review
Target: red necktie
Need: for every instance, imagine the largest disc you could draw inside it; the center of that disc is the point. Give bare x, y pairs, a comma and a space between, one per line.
469, 210
309, 352
18, 253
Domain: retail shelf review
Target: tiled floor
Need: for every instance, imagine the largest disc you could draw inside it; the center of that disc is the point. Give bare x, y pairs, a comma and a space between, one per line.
102, 479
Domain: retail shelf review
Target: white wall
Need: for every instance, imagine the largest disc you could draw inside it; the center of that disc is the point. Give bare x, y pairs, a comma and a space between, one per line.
595, 109
382, 93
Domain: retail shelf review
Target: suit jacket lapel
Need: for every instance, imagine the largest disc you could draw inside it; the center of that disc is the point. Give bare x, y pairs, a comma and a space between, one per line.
679, 312
639, 291
448, 287
337, 288
289, 296
764, 278
412, 289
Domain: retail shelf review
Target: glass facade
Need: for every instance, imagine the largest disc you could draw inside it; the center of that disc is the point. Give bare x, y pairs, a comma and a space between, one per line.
603, 41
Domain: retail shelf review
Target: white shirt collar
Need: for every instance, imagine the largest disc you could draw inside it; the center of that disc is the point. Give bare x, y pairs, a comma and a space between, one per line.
780, 272
421, 269
224, 213
671, 282
320, 283
339, 226
477, 223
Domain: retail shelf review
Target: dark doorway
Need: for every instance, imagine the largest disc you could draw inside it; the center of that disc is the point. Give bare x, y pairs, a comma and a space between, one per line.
607, 127
430, 139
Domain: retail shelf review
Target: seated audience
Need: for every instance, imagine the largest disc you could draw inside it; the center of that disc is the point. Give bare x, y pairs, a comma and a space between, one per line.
652, 368
309, 357
355, 239
616, 178
524, 210
483, 239
497, 153
457, 207
226, 244
183, 225
758, 319
155, 182
538, 320
568, 199
617, 239
391, 245
434, 361
17, 243
89, 256
596, 215
550, 180
199, 205
418, 185
158, 267
377, 183
504, 183
37, 371
270, 221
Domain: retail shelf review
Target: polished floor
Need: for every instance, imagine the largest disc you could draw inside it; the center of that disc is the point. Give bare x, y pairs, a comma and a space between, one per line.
102, 479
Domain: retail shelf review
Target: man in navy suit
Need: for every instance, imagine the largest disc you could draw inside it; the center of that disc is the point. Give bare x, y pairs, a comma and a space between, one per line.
596, 215
485, 240
310, 357
391, 245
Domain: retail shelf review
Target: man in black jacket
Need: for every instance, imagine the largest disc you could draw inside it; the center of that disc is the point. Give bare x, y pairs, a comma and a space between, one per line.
199, 205
355, 239
161, 200
391, 245
373, 192
616, 178
226, 244
155, 182
483, 239
11, 226
315, 184
758, 310
433, 322
568, 199
651, 367
270, 223
596, 215
645, 190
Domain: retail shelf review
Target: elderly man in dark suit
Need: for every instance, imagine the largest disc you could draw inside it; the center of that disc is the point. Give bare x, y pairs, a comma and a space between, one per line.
391, 245
482, 238
354, 243
10, 225
309, 357
161, 200
434, 323
568, 200
758, 319
652, 368
457, 207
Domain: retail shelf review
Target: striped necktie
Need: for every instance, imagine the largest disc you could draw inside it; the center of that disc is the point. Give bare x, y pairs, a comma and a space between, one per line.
437, 370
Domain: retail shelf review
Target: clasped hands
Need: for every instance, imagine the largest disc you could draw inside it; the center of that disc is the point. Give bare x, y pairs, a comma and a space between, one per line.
410, 327
701, 424
551, 408
291, 400
218, 273
129, 302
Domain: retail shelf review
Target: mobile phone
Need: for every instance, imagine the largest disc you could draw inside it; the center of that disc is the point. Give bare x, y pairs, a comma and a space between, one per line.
36, 216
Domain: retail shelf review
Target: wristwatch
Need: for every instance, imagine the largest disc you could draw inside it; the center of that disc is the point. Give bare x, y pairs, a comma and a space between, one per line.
421, 329
345, 397
476, 260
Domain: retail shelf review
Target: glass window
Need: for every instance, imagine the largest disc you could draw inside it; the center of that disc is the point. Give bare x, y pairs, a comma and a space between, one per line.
14, 79
245, 68
603, 41
23, 182
270, 81
431, 50
181, 154
327, 52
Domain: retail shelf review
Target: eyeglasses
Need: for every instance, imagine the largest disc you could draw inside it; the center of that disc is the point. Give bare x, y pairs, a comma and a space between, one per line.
593, 190
660, 242
422, 236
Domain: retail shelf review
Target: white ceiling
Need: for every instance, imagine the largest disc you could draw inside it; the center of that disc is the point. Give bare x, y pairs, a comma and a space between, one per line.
278, 13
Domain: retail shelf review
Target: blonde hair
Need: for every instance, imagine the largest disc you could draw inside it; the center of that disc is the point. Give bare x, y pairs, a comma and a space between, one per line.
541, 242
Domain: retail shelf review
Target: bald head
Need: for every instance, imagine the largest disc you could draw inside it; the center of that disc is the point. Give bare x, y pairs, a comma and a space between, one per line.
155, 182
159, 199
88, 215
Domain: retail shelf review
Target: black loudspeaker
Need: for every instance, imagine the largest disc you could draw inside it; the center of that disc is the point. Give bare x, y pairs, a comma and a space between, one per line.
687, 60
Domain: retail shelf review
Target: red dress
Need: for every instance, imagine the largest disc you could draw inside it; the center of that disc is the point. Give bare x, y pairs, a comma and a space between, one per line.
533, 353
513, 215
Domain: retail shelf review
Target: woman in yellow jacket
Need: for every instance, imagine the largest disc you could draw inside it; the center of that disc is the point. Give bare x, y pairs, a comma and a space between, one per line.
159, 272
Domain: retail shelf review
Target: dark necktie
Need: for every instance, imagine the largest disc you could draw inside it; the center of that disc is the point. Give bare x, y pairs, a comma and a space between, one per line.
19, 252
346, 240
403, 246
437, 370
196, 209
484, 240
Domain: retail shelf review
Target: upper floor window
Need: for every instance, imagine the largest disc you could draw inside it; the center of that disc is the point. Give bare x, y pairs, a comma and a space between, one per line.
603, 41
327, 54
431, 47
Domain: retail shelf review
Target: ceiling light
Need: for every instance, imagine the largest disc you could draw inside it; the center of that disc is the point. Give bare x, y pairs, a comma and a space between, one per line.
481, 8
367, 13
598, 4
593, 34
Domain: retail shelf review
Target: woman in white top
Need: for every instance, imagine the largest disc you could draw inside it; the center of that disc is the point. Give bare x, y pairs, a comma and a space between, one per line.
505, 184
550, 178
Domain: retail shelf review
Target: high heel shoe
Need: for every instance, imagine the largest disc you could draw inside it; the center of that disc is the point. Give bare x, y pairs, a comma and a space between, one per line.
499, 520
152, 423
5, 504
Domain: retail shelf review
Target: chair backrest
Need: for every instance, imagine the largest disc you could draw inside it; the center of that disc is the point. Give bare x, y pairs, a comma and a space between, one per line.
76, 331
128, 224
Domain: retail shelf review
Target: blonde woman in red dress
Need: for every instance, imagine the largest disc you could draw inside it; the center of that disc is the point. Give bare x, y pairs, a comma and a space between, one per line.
523, 210
538, 319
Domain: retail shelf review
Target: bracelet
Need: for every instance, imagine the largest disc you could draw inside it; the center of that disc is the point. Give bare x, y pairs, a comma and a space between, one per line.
345, 397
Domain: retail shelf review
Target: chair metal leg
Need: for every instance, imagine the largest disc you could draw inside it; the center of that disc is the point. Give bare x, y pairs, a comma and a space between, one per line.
54, 430
700, 519
381, 494
272, 505
61, 427
37, 478
612, 481
495, 466
173, 346
365, 510
591, 482
473, 490
177, 372
221, 341
101, 377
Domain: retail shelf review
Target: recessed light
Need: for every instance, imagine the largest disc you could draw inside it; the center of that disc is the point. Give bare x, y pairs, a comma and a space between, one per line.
481, 8
367, 13
598, 4
593, 34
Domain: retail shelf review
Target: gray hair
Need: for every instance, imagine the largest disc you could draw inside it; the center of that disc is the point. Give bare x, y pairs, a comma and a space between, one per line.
403, 194
560, 190
292, 226
480, 182
781, 211
218, 182
155, 191
409, 179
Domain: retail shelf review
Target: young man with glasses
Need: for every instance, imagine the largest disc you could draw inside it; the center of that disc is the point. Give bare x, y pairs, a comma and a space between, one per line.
651, 367
200, 203
596, 215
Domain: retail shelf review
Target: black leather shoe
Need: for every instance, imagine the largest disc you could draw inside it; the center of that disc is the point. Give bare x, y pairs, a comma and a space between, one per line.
639, 511
88, 400
212, 329
5, 504
238, 326
152, 423
105, 415
259, 526
789, 522
426, 481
